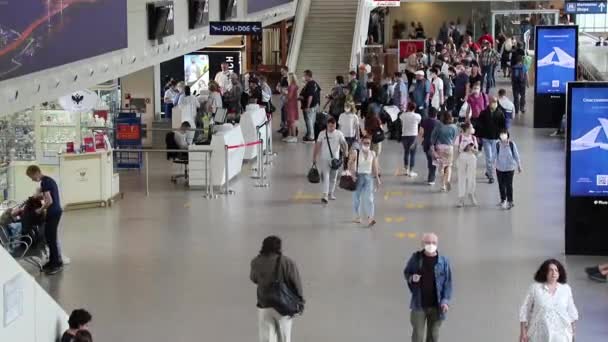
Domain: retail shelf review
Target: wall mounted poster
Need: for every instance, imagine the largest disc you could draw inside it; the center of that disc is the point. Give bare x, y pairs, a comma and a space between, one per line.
589, 141
36, 35
556, 58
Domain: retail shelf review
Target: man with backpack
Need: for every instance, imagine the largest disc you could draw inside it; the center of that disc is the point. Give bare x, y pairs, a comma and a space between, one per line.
310, 98
490, 123
519, 82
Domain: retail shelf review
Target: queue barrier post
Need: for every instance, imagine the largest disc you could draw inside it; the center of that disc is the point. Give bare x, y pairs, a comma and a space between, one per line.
208, 177
147, 174
227, 190
262, 181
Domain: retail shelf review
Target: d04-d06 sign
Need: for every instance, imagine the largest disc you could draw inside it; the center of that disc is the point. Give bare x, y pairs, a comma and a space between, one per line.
235, 28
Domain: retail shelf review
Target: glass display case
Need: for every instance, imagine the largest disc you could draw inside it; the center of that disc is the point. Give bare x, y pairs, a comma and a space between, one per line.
17, 137
57, 128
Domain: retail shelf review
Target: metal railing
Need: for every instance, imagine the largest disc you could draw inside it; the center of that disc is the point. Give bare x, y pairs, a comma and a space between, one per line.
208, 187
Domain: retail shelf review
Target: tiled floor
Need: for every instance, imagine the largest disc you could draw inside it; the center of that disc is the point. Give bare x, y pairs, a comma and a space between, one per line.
174, 266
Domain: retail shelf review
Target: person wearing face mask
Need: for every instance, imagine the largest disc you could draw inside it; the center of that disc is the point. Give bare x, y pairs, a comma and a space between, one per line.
461, 88
400, 96
437, 90
363, 165
507, 161
429, 279
327, 148
467, 146
489, 125
421, 92
477, 101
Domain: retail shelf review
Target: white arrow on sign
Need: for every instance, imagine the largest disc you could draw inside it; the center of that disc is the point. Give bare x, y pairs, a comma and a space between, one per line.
601, 6
255, 29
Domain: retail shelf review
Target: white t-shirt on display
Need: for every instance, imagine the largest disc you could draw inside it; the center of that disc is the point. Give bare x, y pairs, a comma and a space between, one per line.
409, 123
349, 124
436, 100
336, 139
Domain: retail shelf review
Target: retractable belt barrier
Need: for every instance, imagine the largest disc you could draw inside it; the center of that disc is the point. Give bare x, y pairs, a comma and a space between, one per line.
208, 169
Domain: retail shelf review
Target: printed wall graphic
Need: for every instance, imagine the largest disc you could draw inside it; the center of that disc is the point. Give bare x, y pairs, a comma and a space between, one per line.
556, 59
589, 142
37, 35
196, 72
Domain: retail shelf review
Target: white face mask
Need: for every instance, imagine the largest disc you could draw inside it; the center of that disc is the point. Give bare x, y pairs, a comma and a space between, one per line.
471, 131
476, 90
504, 137
430, 248
365, 148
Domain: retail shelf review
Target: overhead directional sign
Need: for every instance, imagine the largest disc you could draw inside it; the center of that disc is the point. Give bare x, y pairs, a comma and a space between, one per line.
235, 28
586, 7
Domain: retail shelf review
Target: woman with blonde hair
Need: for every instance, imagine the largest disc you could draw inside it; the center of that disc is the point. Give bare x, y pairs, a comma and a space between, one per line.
291, 108
215, 98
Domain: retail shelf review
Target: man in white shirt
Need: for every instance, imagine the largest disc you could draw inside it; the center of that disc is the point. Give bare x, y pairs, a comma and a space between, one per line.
507, 106
410, 122
181, 136
223, 78
437, 99
170, 94
189, 106
329, 144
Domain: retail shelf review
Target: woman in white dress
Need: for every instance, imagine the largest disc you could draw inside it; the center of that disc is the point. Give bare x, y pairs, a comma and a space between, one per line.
548, 313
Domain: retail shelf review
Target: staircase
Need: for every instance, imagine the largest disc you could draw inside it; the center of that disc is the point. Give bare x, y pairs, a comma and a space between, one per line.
327, 41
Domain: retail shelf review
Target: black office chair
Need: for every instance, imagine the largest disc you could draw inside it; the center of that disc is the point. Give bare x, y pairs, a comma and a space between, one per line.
180, 158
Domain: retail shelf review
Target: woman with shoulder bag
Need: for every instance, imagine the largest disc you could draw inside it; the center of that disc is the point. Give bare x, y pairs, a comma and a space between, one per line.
363, 166
268, 267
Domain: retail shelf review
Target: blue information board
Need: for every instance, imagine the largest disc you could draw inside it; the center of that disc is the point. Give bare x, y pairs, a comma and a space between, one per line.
586, 7
589, 141
235, 28
555, 58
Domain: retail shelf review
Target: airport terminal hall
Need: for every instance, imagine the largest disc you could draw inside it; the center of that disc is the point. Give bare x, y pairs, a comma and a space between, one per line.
303, 170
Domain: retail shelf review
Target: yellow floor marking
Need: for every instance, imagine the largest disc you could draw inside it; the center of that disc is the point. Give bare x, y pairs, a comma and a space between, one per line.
187, 205
411, 235
400, 219
400, 235
388, 219
396, 219
305, 196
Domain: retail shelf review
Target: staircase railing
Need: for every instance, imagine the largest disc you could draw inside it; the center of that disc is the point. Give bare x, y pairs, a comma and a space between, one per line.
302, 10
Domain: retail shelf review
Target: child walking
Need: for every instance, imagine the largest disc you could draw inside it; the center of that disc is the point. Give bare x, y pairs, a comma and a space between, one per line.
507, 161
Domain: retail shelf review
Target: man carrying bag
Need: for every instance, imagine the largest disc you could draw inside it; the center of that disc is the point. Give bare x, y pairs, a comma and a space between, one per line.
279, 291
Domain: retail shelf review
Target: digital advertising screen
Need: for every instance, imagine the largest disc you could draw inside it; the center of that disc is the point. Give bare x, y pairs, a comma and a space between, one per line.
555, 58
588, 141
36, 35
260, 5
196, 72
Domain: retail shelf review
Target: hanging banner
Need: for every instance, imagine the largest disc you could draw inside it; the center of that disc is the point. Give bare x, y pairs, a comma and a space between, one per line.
386, 3
80, 101
408, 47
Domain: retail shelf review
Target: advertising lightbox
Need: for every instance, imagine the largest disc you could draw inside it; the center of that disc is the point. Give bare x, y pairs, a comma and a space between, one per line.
555, 58
587, 168
37, 35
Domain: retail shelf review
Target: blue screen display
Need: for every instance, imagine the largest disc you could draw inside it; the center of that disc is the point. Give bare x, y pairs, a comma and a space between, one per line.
555, 59
589, 142
37, 35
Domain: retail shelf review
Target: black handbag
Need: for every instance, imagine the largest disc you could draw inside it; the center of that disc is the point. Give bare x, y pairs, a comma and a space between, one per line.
378, 136
279, 296
335, 163
313, 174
347, 181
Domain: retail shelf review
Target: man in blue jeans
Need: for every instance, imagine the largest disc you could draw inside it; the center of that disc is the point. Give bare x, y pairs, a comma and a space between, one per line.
429, 278
490, 123
49, 192
310, 97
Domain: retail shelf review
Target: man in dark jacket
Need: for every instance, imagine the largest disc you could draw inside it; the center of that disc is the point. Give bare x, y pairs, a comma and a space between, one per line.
263, 274
491, 121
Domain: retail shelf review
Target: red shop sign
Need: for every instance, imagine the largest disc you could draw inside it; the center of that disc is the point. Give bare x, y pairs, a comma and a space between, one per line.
128, 132
408, 47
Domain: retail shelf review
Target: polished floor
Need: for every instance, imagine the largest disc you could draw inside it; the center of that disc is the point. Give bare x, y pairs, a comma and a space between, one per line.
174, 266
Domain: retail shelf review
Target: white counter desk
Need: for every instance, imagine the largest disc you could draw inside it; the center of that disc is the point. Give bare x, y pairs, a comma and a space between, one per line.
232, 136
88, 178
